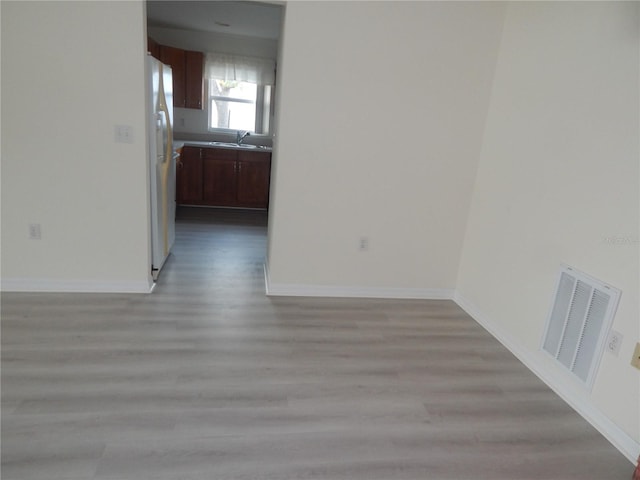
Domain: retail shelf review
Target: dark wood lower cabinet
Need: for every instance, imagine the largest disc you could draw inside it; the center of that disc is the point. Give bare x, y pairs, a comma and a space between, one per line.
254, 172
219, 176
189, 177
223, 178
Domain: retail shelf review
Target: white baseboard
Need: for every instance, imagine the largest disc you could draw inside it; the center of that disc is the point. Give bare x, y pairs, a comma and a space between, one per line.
618, 437
73, 286
343, 291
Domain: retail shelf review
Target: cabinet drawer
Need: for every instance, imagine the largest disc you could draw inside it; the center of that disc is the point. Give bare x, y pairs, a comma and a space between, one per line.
224, 154
244, 156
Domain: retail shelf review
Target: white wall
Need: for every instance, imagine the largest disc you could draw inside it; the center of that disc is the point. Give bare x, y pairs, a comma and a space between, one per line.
381, 112
71, 71
558, 182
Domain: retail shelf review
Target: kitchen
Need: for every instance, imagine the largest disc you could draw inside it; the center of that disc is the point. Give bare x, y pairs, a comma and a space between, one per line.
222, 56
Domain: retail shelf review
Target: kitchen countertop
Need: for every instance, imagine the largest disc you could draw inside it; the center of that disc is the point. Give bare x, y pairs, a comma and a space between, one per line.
231, 146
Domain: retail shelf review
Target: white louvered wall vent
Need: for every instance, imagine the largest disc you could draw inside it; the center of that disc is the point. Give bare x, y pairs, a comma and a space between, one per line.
579, 323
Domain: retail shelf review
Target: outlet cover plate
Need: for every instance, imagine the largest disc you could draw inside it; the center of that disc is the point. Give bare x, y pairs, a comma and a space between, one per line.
635, 361
614, 340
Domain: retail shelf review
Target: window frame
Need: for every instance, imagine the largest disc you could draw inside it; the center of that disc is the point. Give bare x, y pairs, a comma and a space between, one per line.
262, 107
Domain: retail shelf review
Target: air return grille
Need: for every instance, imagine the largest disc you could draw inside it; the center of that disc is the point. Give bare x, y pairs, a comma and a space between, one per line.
579, 321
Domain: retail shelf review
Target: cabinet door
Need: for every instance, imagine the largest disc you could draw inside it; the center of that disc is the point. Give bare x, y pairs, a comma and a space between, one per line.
194, 79
219, 172
189, 177
254, 174
175, 57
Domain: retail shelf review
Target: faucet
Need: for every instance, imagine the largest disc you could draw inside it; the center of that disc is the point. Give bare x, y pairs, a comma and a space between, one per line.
240, 136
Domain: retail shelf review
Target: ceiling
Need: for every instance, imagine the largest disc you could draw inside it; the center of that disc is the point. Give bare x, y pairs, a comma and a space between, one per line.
254, 19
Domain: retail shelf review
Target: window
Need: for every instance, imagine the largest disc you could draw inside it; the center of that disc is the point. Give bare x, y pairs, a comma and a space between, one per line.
239, 105
240, 92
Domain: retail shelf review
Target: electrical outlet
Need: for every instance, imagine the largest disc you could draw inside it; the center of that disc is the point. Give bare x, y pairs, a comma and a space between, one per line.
363, 244
635, 361
614, 340
34, 231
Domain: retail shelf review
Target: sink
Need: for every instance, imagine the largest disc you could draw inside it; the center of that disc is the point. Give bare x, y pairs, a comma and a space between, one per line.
231, 145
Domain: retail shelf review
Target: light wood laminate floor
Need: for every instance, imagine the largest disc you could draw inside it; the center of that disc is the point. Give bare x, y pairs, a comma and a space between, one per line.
208, 379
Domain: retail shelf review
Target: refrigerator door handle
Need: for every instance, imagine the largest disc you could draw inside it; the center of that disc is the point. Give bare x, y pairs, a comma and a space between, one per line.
168, 156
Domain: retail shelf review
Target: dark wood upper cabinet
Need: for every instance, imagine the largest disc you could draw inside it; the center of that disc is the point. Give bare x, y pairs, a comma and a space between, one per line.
194, 73
175, 58
153, 48
188, 70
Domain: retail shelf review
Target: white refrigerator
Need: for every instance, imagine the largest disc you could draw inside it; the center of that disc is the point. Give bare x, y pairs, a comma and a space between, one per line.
162, 163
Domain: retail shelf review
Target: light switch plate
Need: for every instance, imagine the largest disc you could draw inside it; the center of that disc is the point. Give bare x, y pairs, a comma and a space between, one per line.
35, 232
124, 133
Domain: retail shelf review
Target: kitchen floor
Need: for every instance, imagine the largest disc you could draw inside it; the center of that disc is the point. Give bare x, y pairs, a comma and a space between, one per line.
209, 379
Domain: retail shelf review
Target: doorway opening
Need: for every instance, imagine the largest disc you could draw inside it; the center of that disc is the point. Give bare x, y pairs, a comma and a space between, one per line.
213, 169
